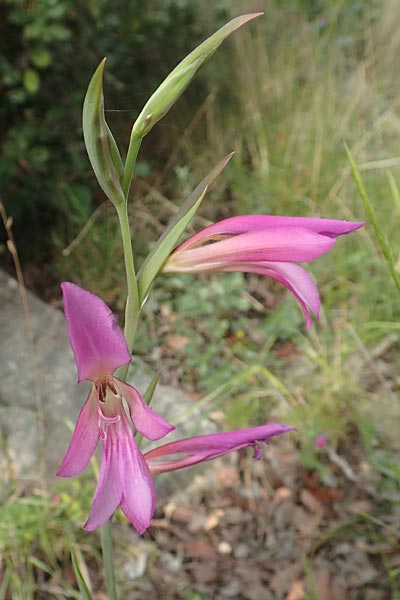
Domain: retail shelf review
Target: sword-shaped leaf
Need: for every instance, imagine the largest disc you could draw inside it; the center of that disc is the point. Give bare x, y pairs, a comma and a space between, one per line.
177, 226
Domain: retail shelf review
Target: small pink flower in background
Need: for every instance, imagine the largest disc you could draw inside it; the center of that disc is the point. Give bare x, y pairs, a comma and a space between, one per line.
265, 245
320, 442
99, 348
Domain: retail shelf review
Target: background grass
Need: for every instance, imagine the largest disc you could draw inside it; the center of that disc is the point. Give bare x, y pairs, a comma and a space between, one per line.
286, 94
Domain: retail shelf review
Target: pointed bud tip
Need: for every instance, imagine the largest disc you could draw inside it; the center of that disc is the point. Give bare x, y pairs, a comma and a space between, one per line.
250, 16
242, 20
100, 67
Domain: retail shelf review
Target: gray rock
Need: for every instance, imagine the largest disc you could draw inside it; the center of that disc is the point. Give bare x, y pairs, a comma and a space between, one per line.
20, 440
39, 398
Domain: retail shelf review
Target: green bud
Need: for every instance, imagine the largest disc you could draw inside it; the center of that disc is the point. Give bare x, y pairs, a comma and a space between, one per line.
100, 145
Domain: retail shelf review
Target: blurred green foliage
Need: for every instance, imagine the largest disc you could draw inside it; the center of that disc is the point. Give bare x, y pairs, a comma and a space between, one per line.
48, 51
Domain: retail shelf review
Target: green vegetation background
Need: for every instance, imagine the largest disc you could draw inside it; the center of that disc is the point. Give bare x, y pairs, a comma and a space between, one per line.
286, 94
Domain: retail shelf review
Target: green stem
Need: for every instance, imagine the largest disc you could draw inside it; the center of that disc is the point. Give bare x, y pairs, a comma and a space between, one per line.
134, 145
132, 308
108, 562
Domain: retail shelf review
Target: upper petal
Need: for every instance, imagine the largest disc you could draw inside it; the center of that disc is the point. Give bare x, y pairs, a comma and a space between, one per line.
84, 440
247, 223
149, 423
98, 343
206, 447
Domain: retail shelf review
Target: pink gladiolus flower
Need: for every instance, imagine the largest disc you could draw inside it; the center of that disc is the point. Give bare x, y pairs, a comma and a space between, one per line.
100, 348
126, 475
266, 245
207, 447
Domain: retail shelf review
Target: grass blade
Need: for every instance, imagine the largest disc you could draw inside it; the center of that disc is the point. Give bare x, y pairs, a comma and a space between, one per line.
369, 209
83, 588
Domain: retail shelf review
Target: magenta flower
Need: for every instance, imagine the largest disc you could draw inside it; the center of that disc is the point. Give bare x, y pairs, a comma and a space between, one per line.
100, 348
266, 245
125, 475
320, 441
207, 447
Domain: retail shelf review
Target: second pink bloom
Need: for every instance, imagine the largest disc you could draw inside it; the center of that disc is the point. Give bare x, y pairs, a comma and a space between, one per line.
265, 245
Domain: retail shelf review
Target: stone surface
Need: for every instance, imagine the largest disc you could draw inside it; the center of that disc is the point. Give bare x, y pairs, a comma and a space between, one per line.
39, 397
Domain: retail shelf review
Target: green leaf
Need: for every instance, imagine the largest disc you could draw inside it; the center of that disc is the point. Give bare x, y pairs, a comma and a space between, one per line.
40, 564
40, 57
100, 144
31, 81
83, 588
172, 87
147, 397
58, 32
177, 226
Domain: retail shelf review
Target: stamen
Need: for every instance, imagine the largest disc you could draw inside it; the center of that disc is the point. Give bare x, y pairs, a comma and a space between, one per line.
256, 451
101, 391
102, 433
113, 389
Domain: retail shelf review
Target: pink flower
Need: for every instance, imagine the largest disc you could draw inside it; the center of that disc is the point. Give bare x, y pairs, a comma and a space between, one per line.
126, 475
99, 348
320, 441
207, 447
266, 245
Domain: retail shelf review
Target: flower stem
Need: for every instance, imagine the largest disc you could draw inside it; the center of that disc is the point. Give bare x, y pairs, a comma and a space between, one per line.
108, 562
132, 308
134, 145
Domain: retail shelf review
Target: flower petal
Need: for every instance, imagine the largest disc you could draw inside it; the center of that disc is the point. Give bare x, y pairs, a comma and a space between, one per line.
98, 343
295, 278
247, 223
207, 447
138, 493
84, 440
283, 245
108, 493
149, 423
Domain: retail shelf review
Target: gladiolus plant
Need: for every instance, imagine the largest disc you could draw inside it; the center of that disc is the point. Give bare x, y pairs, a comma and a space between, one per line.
115, 411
